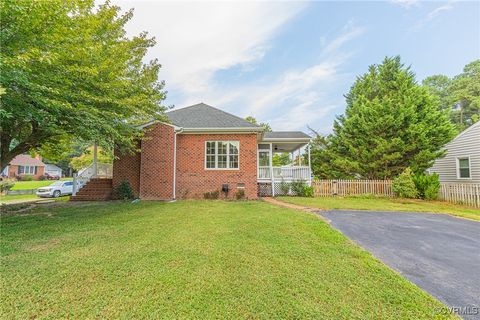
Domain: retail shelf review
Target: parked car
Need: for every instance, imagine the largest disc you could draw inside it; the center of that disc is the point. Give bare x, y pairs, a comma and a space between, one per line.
56, 189
51, 177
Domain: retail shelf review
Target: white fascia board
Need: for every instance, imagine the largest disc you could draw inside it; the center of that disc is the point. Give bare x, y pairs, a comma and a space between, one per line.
176, 128
222, 130
280, 140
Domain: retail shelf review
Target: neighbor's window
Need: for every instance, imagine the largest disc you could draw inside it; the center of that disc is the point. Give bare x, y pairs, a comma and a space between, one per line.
26, 169
221, 154
463, 168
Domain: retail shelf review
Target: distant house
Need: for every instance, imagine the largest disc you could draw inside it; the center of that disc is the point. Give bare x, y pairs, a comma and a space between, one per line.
23, 165
462, 162
53, 170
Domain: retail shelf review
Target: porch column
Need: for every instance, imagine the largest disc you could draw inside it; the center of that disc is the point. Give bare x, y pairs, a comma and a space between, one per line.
95, 147
309, 164
272, 178
309, 161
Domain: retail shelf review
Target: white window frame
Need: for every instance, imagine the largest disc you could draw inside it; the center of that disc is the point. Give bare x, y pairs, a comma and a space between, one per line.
469, 167
216, 154
28, 170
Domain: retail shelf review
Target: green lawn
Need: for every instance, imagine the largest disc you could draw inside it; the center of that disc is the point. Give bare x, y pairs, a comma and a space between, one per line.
6, 199
194, 259
25, 185
385, 204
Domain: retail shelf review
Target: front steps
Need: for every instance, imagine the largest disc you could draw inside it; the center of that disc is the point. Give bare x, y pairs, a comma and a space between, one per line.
97, 189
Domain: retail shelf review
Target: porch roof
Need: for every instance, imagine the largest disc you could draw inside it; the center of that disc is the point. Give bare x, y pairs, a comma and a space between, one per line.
285, 141
286, 135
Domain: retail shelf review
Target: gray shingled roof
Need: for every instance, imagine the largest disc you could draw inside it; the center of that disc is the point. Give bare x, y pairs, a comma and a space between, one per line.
204, 116
285, 135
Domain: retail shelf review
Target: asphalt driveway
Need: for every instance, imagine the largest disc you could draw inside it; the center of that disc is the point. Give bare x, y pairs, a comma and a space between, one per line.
437, 252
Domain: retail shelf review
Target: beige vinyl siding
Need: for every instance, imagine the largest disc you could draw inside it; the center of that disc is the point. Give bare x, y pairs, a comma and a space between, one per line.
466, 144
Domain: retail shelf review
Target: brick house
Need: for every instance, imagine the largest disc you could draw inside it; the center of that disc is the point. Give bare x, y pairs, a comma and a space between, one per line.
23, 165
204, 149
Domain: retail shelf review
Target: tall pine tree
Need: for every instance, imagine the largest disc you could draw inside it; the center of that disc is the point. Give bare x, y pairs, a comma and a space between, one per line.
390, 123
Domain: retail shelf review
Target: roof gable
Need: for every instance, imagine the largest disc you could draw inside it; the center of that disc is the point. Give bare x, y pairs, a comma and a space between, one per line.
26, 160
203, 116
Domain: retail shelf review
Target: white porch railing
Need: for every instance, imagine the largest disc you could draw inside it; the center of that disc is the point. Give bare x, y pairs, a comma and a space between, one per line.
103, 170
285, 173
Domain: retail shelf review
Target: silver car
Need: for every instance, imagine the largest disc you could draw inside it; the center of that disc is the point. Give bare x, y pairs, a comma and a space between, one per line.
56, 189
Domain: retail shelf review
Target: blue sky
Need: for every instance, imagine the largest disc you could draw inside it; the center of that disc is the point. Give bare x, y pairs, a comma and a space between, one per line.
290, 63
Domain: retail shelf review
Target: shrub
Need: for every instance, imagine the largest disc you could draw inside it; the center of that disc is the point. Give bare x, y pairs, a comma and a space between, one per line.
403, 185
123, 191
427, 185
308, 191
284, 187
26, 177
240, 195
212, 195
298, 187
6, 185
42, 178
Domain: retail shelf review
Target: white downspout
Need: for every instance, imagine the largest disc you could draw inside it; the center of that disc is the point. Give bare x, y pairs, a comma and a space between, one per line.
175, 163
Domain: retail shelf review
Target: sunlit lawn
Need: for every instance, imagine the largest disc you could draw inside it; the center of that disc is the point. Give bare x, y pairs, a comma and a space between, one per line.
385, 204
193, 259
25, 185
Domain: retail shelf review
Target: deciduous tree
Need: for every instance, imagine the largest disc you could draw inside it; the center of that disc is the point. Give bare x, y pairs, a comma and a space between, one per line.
69, 69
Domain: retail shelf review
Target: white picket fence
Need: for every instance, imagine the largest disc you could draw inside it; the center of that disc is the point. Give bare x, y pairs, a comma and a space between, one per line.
327, 188
461, 193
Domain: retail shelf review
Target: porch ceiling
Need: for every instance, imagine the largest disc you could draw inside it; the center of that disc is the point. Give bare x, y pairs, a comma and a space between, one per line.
285, 141
286, 146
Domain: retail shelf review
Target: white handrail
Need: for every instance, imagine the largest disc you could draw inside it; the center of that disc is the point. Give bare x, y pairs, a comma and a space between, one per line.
286, 173
84, 175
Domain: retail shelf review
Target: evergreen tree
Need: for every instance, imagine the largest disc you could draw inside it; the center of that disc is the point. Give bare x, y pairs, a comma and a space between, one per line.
390, 123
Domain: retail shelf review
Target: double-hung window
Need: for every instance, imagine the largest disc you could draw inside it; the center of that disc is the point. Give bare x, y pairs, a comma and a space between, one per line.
26, 169
463, 168
222, 154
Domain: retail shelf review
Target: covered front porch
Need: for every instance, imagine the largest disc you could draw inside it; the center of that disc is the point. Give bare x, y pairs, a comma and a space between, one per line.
293, 165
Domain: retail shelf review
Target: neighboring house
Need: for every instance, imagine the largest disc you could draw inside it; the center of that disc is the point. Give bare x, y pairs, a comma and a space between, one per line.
205, 149
53, 170
23, 165
462, 162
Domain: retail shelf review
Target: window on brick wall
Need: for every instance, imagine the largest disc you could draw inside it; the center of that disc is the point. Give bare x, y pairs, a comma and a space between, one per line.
222, 154
27, 170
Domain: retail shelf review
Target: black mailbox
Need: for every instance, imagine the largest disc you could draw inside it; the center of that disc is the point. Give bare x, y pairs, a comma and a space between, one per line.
225, 188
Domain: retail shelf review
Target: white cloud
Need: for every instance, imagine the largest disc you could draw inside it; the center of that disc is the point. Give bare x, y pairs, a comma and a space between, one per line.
407, 3
300, 97
446, 7
197, 39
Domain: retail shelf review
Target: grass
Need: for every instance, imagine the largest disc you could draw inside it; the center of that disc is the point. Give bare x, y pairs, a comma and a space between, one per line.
26, 185
194, 259
385, 204
5, 199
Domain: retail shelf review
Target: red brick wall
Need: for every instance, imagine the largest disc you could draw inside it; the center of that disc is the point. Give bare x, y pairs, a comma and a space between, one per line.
151, 173
192, 178
13, 172
127, 167
156, 168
